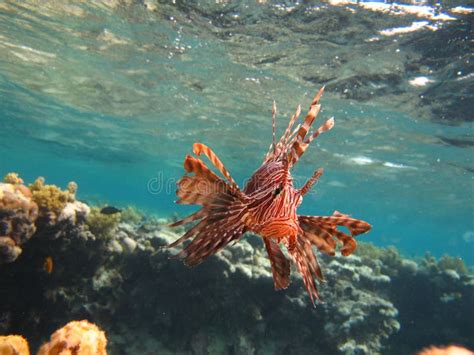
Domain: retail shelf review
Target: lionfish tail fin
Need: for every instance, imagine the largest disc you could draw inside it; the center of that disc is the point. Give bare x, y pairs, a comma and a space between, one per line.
308, 267
280, 264
322, 232
221, 218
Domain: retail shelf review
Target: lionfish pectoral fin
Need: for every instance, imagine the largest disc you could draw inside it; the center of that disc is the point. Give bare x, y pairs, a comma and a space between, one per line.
219, 226
280, 264
322, 232
221, 218
206, 243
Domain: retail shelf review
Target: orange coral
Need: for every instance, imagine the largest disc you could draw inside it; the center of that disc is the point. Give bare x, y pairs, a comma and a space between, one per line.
13, 345
449, 350
78, 338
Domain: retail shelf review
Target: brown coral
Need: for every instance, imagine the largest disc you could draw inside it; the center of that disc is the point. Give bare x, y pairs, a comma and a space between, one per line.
18, 214
13, 345
78, 338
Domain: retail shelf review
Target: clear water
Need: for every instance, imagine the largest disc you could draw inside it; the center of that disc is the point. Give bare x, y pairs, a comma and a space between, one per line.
113, 96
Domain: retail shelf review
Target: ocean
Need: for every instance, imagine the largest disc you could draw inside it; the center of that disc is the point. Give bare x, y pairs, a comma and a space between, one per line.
112, 95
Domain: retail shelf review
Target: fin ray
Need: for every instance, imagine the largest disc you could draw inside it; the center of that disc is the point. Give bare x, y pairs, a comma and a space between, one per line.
322, 232
199, 148
280, 264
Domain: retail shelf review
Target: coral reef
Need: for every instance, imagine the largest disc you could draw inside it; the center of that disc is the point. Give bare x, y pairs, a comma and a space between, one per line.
13, 345
357, 303
18, 214
131, 215
432, 297
102, 225
76, 337
40, 210
121, 276
50, 198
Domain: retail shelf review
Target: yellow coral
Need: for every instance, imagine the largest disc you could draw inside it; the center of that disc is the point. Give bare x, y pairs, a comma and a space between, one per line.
102, 225
78, 338
13, 345
37, 185
51, 198
13, 178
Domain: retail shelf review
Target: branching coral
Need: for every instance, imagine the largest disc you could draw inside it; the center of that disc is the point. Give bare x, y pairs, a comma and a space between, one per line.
452, 263
13, 345
51, 198
361, 318
78, 338
131, 215
102, 225
13, 178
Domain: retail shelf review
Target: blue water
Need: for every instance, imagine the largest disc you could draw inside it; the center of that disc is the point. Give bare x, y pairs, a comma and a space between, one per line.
114, 100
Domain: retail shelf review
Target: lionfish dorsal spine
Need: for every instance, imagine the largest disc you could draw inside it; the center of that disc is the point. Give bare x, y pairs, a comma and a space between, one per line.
274, 111
312, 180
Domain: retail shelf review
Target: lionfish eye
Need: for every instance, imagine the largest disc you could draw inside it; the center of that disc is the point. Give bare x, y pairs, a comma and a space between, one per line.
277, 190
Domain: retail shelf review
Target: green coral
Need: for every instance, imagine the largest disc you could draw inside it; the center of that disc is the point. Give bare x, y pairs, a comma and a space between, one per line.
102, 225
13, 178
131, 215
447, 262
49, 198
389, 255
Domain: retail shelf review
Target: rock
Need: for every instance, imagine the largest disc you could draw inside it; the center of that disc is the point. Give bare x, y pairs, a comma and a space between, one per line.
9, 251
74, 212
114, 247
129, 244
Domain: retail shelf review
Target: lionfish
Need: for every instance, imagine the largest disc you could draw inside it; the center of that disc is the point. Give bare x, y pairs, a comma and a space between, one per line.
266, 206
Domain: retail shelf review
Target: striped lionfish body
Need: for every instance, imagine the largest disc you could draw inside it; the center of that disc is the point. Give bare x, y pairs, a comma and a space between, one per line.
266, 206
